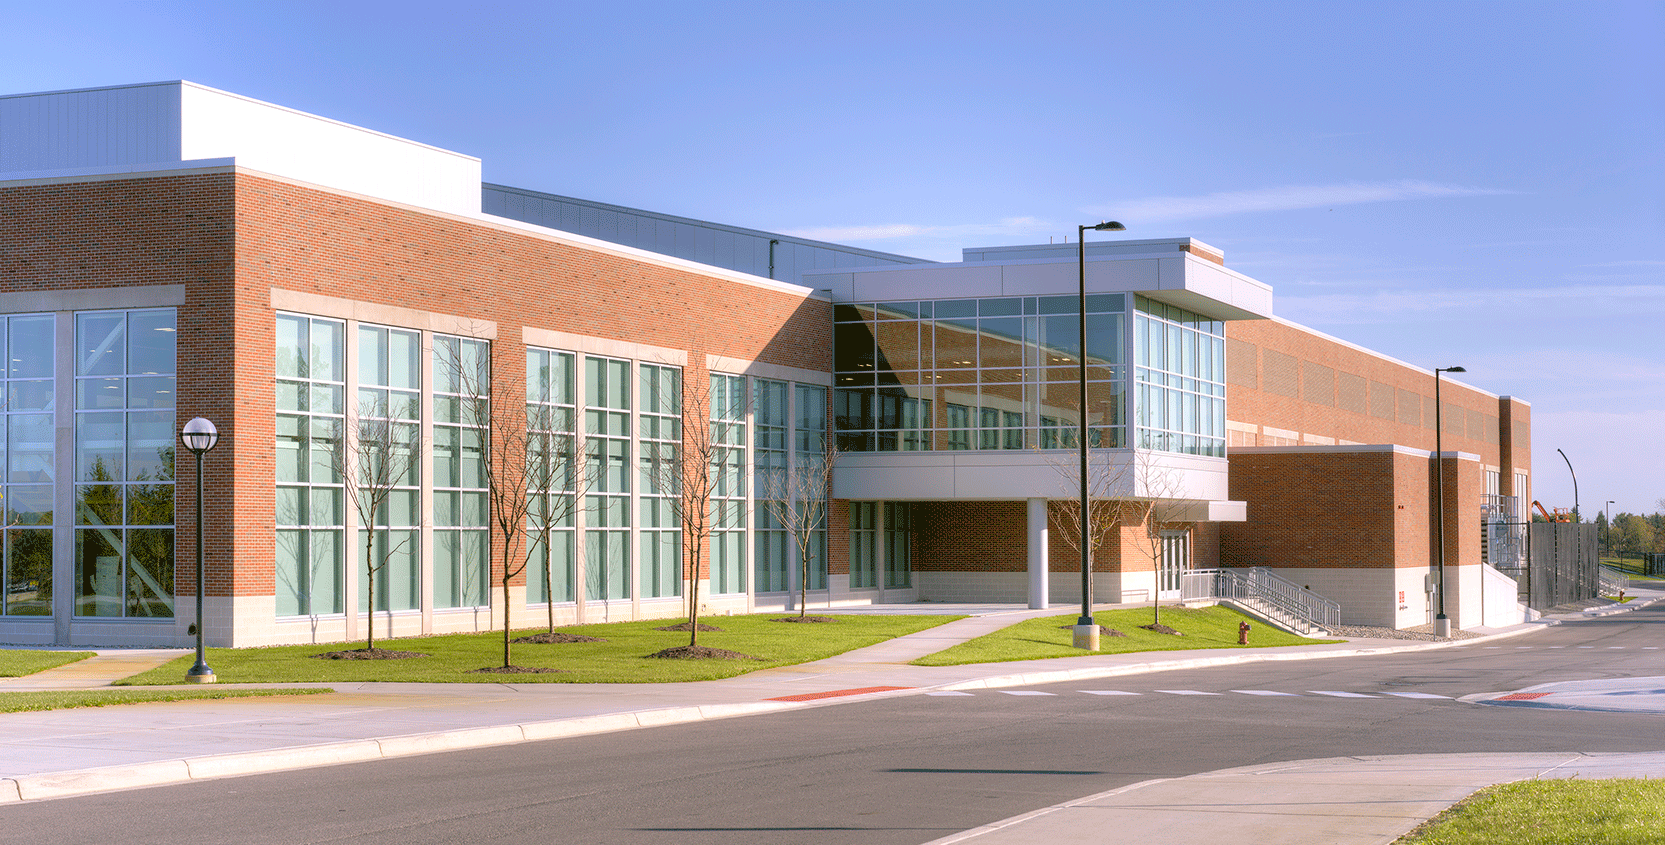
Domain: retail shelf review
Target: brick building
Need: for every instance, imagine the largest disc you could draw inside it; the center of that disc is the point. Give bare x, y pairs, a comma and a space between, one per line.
170, 251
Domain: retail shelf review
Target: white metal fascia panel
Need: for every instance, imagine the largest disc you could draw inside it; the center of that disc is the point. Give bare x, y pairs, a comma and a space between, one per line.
317, 150
926, 282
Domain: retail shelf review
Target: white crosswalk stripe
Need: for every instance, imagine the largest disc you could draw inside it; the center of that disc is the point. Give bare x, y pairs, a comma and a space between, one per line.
1339, 694
1420, 695
1108, 692
1186, 692
1265, 692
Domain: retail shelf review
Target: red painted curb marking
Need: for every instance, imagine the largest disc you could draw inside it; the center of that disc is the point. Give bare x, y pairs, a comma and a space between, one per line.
1521, 696
811, 696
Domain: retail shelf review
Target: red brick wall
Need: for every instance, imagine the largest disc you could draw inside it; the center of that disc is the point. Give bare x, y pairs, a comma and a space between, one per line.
178, 230
231, 238
1397, 400
1351, 509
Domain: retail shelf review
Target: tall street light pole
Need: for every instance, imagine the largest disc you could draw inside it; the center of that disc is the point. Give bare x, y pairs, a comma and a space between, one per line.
1086, 631
1608, 512
1442, 624
1576, 515
199, 436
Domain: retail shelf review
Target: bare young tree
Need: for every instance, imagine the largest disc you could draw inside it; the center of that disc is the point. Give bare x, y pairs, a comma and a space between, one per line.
375, 450
496, 436
1152, 484
701, 472
796, 496
556, 481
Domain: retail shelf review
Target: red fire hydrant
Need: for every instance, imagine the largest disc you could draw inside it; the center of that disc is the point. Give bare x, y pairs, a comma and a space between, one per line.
1242, 633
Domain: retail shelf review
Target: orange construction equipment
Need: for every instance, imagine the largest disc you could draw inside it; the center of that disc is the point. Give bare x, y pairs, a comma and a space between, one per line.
1561, 514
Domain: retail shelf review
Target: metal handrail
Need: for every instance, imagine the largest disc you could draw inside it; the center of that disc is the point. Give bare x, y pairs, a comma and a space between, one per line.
1263, 592
1613, 582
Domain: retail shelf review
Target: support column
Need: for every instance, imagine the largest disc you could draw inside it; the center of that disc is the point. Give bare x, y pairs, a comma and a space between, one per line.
1037, 555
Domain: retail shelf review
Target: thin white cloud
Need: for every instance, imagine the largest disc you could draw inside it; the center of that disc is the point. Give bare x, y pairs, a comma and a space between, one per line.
1392, 304
1287, 198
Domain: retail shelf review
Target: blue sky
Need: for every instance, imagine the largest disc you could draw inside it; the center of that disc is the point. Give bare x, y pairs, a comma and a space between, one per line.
1450, 183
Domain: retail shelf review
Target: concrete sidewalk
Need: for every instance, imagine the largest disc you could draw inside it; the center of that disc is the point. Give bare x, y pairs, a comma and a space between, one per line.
81, 751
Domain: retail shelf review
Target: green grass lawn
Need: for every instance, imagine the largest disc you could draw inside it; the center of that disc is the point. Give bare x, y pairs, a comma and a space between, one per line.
1618, 811
19, 702
17, 663
622, 659
1205, 627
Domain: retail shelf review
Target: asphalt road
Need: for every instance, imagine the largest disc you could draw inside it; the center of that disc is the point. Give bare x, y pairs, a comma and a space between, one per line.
903, 770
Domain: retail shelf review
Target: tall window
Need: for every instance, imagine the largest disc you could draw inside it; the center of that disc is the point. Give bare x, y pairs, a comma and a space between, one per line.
550, 443
607, 459
311, 388
462, 418
809, 452
728, 473
776, 549
124, 463
864, 545
26, 463
660, 421
389, 392
997, 373
1180, 370
898, 531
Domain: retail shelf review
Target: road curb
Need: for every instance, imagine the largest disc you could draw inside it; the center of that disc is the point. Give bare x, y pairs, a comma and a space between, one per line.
47, 786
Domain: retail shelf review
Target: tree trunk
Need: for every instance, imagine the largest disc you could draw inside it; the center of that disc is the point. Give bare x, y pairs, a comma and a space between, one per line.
506, 662
370, 588
548, 576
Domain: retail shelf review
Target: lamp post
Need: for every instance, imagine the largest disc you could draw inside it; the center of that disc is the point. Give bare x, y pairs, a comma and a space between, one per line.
1086, 631
1607, 510
1442, 624
1576, 515
199, 436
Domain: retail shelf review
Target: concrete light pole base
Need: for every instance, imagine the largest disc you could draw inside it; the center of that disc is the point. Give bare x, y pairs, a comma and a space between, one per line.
1442, 627
200, 679
1086, 637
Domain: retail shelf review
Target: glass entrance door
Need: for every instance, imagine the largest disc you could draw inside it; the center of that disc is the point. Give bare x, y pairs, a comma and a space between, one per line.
1176, 558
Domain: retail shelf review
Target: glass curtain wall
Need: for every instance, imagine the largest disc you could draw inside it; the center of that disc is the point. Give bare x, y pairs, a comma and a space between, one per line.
998, 373
660, 423
27, 392
1180, 370
728, 477
462, 422
124, 463
607, 468
388, 424
551, 449
310, 512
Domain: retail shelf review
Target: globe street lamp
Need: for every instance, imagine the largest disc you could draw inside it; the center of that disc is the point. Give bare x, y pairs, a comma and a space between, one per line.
1086, 632
199, 436
1442, 624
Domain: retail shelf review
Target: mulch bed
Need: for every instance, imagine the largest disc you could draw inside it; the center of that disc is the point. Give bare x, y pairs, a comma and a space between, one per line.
683, 627
368, 654
516, 670
1162, 629
553, 637
1103, 630
804, 619
700, 652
